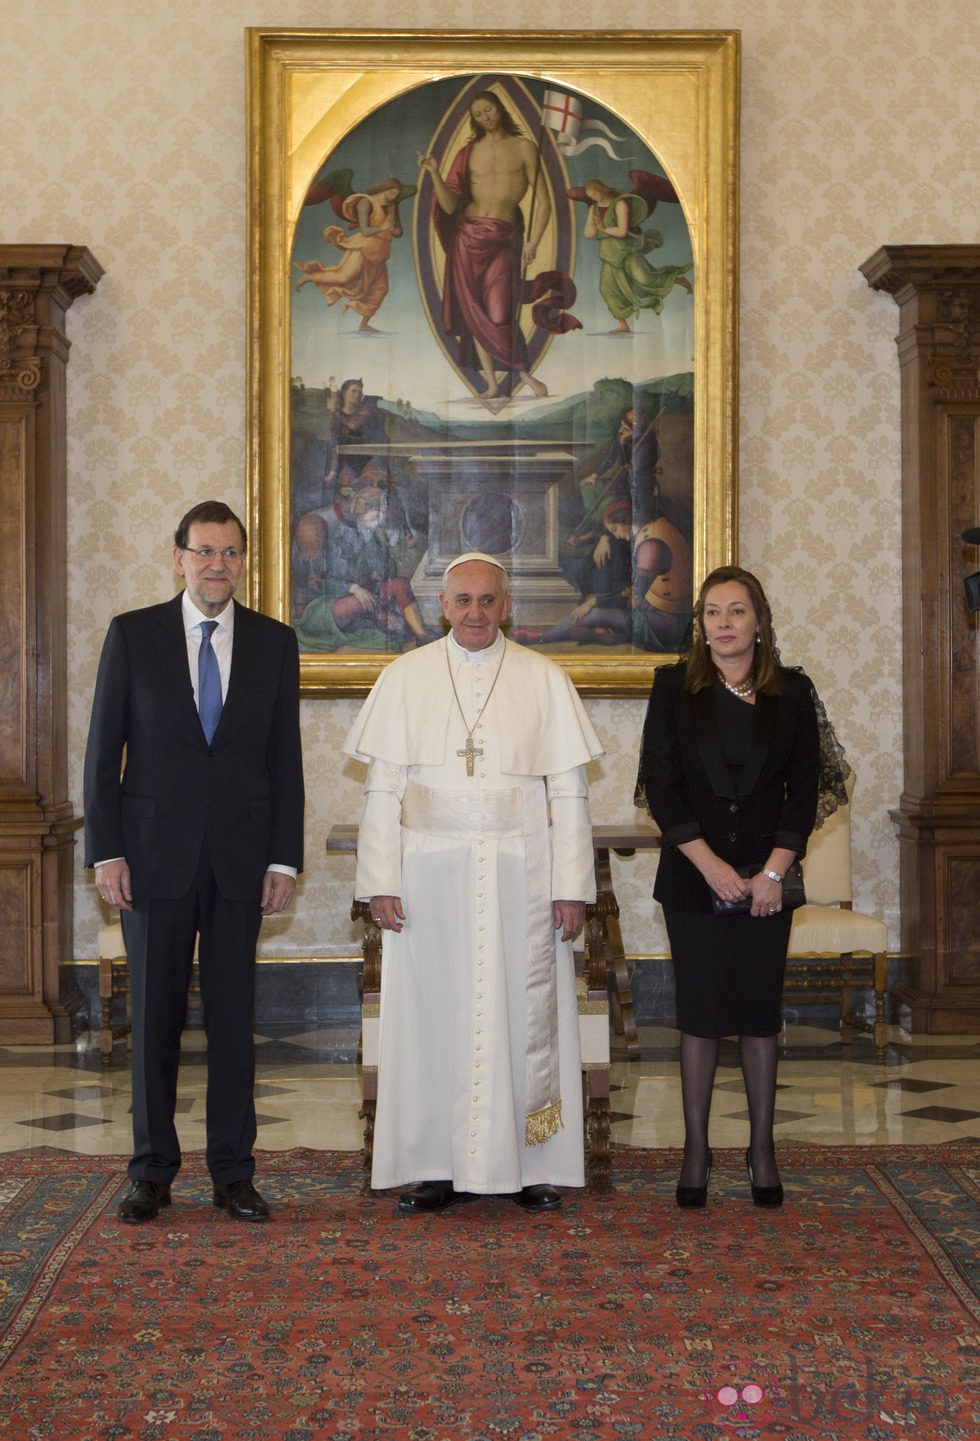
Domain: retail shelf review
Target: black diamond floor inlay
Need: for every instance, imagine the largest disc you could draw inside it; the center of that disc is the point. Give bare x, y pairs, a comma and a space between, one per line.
63, 1123
949, 1115
83, 1093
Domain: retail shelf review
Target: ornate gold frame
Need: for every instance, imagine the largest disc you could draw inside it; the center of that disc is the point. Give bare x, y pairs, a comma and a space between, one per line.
679, 91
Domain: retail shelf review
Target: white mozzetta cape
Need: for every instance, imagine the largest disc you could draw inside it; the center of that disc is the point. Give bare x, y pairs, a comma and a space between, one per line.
402, 721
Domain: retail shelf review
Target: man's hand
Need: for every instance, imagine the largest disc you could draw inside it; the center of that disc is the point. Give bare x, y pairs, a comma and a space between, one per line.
278, 890
569, 916
387, 912
113, 884
581, 611
367, 601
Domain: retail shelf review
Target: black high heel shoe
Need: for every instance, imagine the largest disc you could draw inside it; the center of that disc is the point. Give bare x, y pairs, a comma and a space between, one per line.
691, 1198
763, 1195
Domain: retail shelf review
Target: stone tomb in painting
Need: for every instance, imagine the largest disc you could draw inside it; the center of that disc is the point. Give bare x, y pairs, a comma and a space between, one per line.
503, 497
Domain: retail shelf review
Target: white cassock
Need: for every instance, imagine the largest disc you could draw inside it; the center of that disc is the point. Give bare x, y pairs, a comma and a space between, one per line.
478, 1049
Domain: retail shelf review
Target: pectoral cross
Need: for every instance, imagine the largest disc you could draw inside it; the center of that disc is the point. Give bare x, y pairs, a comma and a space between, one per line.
470, 751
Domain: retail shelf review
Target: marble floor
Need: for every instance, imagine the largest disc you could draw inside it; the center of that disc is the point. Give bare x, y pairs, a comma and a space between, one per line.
925, 1090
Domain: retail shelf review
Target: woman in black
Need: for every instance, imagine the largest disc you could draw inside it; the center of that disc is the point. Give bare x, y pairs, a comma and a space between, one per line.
730, 770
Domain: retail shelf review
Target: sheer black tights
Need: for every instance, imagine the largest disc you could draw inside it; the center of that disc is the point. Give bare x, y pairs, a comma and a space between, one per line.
759, 1056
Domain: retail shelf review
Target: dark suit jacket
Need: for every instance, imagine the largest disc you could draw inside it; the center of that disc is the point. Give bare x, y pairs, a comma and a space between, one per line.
243, 794
690, 790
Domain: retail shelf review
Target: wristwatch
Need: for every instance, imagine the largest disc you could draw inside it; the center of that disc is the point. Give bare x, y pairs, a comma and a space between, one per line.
774, 876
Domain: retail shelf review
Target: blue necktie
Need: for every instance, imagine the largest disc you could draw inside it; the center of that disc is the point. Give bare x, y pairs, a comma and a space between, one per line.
208, 682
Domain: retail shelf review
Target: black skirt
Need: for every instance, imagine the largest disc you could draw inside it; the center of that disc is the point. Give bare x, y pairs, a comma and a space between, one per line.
728, 972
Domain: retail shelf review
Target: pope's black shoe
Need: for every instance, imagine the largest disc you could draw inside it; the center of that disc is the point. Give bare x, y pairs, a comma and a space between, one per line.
242, 1201
538, 1198
142, 1201
430, 1196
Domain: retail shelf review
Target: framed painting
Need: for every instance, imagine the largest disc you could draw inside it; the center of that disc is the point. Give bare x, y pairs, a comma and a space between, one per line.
492, 306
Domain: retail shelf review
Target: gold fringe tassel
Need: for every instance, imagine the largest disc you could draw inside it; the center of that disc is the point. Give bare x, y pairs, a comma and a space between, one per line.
540, 1126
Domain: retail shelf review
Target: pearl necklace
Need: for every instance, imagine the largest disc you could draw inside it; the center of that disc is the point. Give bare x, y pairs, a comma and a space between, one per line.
743, 690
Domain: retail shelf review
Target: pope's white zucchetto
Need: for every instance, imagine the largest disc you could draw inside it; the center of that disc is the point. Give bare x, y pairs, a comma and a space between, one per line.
472, 555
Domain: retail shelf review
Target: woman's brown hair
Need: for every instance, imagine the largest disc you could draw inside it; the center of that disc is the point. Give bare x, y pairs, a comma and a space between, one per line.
765, 673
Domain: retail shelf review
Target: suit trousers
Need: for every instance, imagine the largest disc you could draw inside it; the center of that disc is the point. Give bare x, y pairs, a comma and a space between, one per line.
160, 937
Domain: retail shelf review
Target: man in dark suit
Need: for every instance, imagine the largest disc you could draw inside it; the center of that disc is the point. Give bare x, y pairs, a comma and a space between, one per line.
194, 824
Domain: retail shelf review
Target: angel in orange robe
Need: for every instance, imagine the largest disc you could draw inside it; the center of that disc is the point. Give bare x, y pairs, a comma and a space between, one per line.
360, 277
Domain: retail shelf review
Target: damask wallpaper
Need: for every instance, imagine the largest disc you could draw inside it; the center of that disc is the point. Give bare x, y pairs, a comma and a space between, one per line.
123, 130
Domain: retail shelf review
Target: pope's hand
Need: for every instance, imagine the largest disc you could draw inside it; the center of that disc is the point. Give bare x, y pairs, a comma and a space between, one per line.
569, 918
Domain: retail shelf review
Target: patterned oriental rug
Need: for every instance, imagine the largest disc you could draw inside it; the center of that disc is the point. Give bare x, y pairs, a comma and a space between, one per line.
853, 1312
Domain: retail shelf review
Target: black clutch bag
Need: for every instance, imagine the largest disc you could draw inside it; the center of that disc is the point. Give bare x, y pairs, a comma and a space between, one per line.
793, 893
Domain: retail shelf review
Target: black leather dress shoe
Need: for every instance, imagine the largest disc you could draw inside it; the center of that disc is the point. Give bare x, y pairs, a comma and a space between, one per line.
142, 1201
430, 1196
242, 1201
538, 1198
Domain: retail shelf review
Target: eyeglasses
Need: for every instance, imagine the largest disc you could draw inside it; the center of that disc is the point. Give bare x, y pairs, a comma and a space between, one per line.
208, 552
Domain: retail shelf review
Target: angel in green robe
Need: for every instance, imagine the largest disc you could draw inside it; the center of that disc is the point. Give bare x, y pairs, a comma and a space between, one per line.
628, 283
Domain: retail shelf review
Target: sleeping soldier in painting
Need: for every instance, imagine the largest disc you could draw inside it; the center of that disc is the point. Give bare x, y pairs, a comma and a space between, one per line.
361, 600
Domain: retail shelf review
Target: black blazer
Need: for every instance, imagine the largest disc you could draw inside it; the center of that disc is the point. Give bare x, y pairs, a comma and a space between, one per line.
690, 790
243, 794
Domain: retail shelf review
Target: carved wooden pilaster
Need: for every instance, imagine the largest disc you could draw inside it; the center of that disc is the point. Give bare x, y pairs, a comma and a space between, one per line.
937, 290
38, 283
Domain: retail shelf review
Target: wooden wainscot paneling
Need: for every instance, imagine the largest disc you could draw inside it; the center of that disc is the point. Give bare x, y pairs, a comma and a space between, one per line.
937, 290
38, 283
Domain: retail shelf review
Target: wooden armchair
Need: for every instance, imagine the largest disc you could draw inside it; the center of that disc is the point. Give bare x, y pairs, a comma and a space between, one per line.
117, 1020
833, 949
113, 987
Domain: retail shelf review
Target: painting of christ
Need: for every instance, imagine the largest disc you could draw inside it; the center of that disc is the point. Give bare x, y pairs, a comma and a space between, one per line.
496, 342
